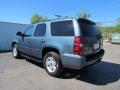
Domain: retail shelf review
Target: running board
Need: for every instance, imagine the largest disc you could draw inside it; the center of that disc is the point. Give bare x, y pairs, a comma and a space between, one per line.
31, 58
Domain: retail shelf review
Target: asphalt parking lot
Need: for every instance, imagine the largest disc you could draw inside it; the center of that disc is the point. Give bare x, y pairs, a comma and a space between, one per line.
19, 74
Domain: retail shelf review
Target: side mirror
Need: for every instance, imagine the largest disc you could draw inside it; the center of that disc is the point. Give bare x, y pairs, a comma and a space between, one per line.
19, 34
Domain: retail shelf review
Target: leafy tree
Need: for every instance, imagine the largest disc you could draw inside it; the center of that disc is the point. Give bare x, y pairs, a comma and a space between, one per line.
83, 14
37, 18
116, 29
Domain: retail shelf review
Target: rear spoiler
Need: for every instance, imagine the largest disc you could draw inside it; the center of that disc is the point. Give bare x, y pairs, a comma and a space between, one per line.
86, 21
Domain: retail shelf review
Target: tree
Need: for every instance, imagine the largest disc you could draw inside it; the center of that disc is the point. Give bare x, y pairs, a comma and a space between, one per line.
116, 29
83, 14
37, 18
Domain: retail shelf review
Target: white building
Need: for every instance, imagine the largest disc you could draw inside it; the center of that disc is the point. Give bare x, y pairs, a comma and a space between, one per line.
8, 33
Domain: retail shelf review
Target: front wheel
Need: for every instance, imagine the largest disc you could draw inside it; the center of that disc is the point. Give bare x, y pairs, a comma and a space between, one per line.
15, 52
52, 64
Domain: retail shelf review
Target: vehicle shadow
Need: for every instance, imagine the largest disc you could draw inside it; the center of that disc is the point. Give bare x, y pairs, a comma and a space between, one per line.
99, 74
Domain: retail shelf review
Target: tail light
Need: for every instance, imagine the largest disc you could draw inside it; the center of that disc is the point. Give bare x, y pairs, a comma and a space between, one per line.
78, 46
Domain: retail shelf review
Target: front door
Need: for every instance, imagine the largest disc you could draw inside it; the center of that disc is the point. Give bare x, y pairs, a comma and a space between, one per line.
25, 42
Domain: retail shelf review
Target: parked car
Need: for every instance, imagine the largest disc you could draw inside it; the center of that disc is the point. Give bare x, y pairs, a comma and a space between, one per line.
62, 43
115, 38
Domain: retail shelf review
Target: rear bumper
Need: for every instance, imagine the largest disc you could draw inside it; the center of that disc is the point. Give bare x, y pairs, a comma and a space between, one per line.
77, 62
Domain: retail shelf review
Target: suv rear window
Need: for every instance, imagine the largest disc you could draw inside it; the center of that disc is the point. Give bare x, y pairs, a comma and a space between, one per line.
89, 30
62, 28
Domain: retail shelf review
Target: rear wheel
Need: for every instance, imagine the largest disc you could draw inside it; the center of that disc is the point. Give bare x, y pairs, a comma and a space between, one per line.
15, 52
52, 64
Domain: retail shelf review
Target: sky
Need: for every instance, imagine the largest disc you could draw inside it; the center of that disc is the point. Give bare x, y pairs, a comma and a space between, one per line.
21, 11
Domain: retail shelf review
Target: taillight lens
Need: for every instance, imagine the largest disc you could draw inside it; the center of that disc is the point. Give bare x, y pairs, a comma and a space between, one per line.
78, 46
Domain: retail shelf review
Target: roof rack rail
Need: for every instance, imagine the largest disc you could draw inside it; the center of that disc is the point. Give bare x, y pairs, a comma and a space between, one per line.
66, 17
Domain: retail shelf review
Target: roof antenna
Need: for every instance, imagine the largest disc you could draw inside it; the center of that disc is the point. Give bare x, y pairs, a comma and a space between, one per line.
58, 16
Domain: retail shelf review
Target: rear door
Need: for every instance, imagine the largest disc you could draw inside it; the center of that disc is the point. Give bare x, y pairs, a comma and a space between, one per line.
38, 41
92, 37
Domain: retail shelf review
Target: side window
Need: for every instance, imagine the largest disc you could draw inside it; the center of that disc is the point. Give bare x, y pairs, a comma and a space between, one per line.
40, 30
29, 31
62, 28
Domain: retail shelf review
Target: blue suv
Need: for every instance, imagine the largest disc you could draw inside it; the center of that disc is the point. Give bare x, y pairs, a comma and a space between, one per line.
62, 43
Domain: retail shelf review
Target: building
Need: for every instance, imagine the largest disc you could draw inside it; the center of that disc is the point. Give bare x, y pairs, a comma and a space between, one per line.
8, 33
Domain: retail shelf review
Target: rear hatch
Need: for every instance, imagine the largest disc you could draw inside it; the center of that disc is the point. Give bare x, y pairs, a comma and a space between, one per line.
92, 38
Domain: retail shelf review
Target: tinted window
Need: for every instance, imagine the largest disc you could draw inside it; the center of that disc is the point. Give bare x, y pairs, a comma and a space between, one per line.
29, 31
40, 30
62, 28
89, 30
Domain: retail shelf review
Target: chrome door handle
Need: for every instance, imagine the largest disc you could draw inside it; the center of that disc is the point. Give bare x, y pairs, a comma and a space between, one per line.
42, 40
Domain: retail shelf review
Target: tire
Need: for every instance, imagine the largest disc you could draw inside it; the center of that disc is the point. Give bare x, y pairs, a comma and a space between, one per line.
52, 64
15, 52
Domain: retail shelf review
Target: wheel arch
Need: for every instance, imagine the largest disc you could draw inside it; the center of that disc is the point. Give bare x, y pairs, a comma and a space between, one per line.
48, 49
